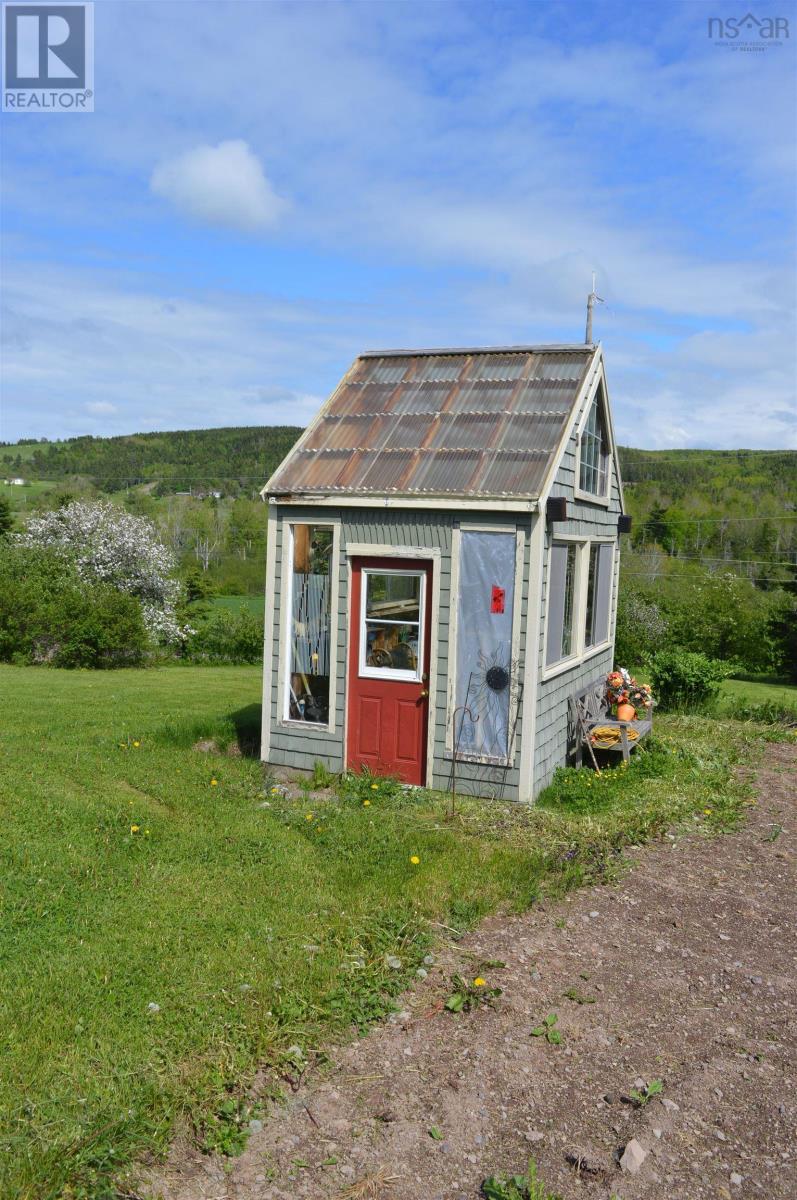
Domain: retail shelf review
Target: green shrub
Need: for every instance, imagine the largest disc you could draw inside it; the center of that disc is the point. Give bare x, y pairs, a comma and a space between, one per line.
686, 679
641, 628
48, 614
228, 637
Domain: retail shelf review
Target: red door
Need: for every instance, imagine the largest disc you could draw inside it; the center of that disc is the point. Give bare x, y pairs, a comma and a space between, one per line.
389, 630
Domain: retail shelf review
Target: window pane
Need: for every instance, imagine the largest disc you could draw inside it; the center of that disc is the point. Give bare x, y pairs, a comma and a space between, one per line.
592, 585
310, 633
570, 584
393, 646
394, 597
485, 671
603, 594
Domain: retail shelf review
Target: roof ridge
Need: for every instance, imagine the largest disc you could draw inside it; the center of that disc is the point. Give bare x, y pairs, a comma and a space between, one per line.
539, 348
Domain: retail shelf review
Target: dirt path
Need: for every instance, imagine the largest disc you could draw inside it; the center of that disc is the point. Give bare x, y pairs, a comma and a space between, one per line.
691, 963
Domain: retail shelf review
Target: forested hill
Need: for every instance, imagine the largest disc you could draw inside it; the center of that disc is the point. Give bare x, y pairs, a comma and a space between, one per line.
726, 503
233, 460
738, 481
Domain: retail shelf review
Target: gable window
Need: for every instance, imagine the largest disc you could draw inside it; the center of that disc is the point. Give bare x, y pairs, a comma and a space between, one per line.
593, 471
599, 591
562, 575
309, 624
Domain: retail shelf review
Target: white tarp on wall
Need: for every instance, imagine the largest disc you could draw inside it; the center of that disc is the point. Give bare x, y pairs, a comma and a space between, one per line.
484, 643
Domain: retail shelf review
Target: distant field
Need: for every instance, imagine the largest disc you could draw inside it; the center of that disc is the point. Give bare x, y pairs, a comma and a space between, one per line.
17, 494
253, 604
760, 691
25, 452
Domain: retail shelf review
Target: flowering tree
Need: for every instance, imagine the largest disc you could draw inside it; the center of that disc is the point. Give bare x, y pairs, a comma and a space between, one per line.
120, 549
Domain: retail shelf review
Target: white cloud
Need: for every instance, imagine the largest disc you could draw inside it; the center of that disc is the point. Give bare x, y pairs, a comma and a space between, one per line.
220, 185
101, 407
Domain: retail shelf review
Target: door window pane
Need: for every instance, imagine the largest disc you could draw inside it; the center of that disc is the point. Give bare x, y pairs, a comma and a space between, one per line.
391, 626
395, 597
310, 633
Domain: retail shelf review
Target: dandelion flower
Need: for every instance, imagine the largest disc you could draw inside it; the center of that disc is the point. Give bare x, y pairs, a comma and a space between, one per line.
134, 828
136, 744
374, 787
366, 803
309, 817
214, 783
707, 811
146, 833
478, 981
414, 859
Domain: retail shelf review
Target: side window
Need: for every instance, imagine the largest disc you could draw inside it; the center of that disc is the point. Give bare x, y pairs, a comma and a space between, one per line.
599, 593
309, 624
561, 600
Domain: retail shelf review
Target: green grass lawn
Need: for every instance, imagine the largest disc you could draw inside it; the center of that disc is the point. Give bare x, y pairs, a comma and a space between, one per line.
163, 932
759, 690
22, 497
253, 604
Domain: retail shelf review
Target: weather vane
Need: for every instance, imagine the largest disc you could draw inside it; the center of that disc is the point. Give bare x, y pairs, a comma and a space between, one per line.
591, 298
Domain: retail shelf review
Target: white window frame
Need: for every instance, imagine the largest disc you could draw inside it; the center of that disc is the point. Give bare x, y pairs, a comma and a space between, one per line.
366, 671
603, 498
453, 609
286, 598
580, 653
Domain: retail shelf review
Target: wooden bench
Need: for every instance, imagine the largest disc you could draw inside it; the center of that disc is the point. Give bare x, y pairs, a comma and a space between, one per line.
588, 709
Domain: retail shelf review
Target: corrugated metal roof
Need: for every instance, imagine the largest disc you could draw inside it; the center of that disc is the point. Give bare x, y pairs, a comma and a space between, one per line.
444, 422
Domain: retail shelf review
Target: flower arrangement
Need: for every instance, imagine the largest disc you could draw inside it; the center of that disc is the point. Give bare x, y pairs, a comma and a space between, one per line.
622, 688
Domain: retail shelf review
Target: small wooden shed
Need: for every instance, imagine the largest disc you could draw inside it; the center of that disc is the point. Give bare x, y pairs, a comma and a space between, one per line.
443, 552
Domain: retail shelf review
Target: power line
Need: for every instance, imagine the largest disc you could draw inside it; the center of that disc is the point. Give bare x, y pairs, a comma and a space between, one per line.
649, 523
705, 558
665, 575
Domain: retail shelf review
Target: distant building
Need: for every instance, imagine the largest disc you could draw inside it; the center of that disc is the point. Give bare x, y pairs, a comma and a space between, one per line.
442, 567
17, 482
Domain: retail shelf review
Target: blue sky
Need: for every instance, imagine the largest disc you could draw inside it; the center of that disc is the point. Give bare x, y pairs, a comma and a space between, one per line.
264, 190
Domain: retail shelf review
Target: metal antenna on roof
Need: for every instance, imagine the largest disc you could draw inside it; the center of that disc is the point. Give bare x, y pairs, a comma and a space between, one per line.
591, 298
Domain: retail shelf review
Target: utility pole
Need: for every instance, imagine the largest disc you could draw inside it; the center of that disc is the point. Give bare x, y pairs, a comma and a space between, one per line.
591, 298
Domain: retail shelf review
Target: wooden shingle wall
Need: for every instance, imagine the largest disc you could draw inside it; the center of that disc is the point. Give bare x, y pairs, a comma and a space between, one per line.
589, 520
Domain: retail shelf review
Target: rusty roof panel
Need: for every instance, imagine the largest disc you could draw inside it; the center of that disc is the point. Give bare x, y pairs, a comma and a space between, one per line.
500, 366
447, 367
388, 370
514, 473
464, 431
340, 433
448, 472
448, 423
421, 397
